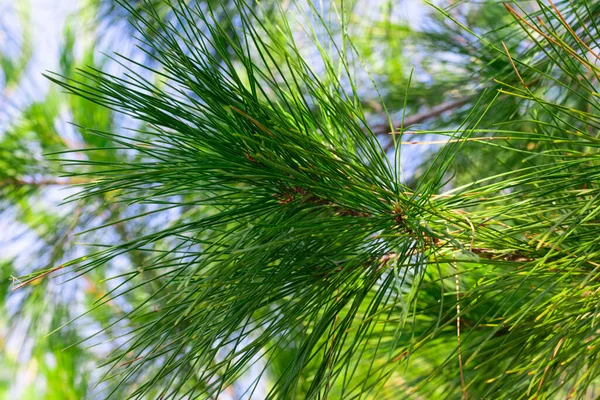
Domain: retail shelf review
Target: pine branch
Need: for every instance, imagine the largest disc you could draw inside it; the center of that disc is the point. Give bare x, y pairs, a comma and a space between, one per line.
288, 237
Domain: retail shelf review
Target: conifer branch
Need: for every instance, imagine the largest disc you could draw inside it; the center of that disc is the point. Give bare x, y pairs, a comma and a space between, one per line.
284, 236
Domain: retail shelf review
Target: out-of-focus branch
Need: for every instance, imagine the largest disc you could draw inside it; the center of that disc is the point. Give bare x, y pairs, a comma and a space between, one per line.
30, 181
422, 116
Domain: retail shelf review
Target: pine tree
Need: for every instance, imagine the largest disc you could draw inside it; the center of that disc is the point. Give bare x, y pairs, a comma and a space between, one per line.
285, 248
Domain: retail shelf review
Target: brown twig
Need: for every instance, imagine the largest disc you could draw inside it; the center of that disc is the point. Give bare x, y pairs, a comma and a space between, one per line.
556, 348
59, 243
35, 278
295, 193
476, 139
127, 363
566, 24
550, 39
255, 122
